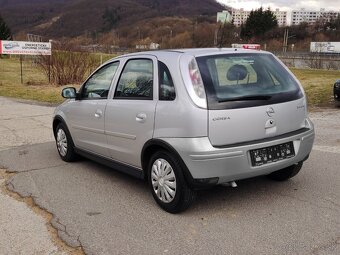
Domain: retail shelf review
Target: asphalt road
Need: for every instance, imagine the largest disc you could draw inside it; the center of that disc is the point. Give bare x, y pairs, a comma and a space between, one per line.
24, 229
106, 212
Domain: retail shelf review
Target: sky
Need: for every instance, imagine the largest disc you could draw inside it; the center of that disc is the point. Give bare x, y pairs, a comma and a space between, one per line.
284, 5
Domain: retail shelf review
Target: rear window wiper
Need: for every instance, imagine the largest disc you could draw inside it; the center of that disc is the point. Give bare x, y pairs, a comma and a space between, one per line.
245, 98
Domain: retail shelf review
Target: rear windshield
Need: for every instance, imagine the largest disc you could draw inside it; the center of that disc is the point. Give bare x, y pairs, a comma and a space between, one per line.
245, 80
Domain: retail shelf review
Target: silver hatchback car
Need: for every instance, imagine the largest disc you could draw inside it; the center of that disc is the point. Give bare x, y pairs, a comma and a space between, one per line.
188, 119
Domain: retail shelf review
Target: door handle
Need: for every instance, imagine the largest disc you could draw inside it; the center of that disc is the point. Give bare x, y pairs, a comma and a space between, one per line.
98, 114
141, 117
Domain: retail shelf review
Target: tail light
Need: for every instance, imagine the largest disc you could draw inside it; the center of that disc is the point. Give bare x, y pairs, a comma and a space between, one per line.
196, 79
193, 80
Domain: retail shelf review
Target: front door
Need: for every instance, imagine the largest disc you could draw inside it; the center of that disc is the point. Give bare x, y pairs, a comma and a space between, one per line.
129, 119
87, 115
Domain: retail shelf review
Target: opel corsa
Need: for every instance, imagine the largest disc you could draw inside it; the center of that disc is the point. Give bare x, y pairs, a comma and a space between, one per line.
188, 119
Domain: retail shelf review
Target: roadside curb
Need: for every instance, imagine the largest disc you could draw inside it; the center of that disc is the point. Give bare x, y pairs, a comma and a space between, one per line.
30, 102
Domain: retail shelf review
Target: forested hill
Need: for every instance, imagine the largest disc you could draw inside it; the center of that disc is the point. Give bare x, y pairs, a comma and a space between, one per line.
71, 18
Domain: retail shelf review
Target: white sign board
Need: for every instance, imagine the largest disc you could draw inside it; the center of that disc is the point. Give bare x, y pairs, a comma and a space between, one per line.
25, 48
325, 47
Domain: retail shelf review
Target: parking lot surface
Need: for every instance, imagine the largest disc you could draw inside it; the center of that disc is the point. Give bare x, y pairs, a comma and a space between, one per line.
106, 212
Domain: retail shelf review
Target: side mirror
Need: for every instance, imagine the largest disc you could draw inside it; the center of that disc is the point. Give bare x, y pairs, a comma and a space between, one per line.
69, 92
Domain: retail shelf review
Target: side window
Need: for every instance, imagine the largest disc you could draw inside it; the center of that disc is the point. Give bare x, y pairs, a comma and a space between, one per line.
98, 86
136, 80
166, 85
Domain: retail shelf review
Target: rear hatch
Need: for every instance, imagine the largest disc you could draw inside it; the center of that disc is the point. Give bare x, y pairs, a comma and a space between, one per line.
250, 96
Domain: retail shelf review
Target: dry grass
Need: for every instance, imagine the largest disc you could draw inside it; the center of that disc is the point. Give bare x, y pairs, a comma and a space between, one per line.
35, 83
318, 85
35, 86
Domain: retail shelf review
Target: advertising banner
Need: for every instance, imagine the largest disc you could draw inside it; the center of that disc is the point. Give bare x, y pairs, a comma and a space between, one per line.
325, 47
25, 48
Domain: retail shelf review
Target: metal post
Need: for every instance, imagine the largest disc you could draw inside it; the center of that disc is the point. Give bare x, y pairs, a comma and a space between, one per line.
215, 37
22, 80
49, 63
49, 69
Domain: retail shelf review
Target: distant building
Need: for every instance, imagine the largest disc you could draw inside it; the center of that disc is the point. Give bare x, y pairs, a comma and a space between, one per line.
309, 16
224, 17
281, 17
240, 16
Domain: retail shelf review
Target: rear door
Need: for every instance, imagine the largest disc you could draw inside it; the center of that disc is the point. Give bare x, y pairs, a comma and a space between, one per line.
129, 119
250, 97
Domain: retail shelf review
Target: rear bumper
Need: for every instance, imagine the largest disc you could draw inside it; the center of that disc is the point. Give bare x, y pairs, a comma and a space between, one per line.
234, 163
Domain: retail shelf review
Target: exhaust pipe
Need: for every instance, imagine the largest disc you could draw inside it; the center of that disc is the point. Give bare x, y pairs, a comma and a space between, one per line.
232, 184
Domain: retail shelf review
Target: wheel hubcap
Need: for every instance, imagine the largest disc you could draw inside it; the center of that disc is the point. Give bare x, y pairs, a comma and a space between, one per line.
163, 180
62, 142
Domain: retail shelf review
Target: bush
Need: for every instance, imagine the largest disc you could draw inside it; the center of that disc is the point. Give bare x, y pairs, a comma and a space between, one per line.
67, 65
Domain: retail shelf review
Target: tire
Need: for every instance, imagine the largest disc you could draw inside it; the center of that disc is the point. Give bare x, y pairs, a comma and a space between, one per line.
167, 183
64, 143
286, 173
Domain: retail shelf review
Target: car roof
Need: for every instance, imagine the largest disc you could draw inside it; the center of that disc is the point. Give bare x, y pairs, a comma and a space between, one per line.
196, 52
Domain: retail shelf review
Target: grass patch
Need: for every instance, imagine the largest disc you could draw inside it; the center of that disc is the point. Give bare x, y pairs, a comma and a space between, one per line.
318, 84
35, 86
35, 83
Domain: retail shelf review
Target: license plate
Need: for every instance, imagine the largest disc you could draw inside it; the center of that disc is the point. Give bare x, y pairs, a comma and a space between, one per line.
272, 154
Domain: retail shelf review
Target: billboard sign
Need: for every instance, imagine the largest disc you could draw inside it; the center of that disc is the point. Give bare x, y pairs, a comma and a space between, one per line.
224, 17
25, 48
325, 47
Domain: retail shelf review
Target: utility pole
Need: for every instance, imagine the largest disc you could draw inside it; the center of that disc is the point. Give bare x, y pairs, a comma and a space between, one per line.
170, 38
222, 29
285, 40
215, 37
194, 27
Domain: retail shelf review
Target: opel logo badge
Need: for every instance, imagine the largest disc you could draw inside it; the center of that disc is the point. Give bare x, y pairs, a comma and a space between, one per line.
270, 111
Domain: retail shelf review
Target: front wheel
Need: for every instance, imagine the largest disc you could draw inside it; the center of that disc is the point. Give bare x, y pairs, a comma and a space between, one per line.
167, 183
286, 173
65, 144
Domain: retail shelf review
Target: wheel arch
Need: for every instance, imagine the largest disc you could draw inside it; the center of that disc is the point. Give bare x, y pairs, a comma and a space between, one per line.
56, 121
153, 145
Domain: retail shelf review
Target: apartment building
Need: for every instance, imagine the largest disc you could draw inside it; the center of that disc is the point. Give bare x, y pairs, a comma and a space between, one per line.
310, 16
240, 16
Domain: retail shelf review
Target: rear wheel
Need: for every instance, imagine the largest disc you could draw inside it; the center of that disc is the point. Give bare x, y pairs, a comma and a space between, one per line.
167, 183
64, 143
286, 173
